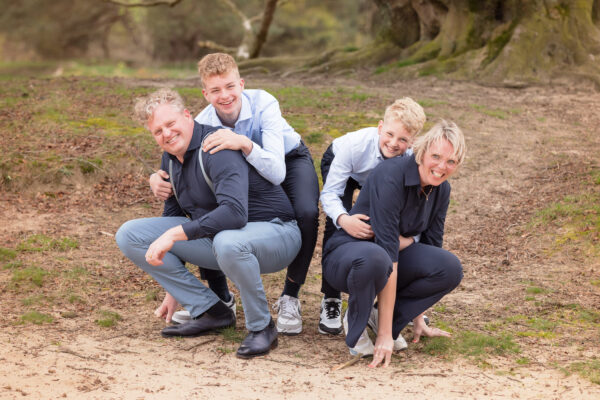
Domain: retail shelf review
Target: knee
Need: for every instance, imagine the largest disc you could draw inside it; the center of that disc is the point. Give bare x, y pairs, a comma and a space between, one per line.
125, 237
307, 213
372, 268
453, 271
227, 249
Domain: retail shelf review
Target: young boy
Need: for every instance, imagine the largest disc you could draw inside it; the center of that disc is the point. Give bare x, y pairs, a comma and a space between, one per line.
344, 167
270, 145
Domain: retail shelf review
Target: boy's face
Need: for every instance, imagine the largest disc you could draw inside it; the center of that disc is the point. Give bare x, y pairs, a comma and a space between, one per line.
171, 129
224, 92
394, 139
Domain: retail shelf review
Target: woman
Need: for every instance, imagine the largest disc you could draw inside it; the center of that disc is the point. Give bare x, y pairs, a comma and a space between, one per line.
403, 196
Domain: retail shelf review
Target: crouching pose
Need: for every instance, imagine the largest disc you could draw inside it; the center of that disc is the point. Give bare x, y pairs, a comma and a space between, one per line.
223, 216
403, 196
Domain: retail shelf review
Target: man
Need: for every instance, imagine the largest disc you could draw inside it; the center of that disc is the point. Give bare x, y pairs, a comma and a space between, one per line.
223, 216
270, 145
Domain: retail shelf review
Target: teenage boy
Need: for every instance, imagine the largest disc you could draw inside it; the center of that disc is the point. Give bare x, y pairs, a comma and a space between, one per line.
344, 167
269, 144
223, 216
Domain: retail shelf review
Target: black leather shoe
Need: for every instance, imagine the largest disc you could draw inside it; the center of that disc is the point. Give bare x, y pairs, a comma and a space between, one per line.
259, 343
200, 326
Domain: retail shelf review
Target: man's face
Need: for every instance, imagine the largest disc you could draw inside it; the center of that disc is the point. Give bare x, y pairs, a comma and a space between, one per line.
438, 164
224, 92
394, 139
172, 129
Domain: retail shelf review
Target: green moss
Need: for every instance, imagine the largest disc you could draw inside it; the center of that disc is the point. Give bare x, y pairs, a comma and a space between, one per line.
496, 113
477, 344
536, 290
232, 335
496, 45
315, 138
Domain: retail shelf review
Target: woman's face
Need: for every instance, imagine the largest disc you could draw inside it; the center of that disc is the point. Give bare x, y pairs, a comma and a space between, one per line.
439, 162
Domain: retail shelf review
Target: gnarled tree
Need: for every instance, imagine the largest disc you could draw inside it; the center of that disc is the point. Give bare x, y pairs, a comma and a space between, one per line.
510, 42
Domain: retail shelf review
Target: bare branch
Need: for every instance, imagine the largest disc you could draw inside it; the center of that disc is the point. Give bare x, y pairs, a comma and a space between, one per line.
153, 3
235, 9
209, 44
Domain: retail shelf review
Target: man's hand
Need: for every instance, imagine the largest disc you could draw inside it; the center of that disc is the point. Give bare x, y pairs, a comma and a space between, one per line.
157, 250
420, 328
405, 242
227, 139
161, 188
354, 225
383, 351
167, 308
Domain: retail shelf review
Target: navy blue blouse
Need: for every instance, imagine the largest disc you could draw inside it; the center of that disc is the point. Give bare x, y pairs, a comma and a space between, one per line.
396, 205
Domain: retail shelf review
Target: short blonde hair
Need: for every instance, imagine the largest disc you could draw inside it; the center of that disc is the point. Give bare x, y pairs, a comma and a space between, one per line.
442, 130
408, 112
145, 106
216, 64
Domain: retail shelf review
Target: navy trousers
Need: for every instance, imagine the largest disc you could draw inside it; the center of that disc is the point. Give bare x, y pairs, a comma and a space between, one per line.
302, 188
351, 185
361, 269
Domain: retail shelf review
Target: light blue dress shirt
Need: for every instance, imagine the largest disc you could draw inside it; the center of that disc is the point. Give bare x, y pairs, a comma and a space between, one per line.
260, 120
356, 154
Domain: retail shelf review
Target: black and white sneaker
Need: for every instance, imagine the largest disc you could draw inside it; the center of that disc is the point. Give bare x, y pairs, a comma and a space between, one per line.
330, 321
183, 316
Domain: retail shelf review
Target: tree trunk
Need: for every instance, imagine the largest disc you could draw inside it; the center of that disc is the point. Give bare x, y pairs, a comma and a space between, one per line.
261, 36
502, 41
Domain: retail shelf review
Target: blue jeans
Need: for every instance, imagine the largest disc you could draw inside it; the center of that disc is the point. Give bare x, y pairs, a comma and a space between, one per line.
242, 254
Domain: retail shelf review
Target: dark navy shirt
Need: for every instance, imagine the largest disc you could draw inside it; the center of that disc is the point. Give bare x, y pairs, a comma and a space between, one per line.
395, 204
241, 195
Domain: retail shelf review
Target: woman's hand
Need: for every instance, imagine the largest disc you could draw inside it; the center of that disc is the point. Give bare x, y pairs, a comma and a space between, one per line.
354, 225
405, 242
384, 345
420, 328
167, 308
161, 188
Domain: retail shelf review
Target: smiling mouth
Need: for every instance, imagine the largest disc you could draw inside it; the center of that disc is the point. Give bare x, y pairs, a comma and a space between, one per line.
227, 103
437, 174
170, 141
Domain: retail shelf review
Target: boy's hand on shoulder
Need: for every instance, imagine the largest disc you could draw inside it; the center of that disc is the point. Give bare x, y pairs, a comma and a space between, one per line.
223, 139
161, 188
355, 226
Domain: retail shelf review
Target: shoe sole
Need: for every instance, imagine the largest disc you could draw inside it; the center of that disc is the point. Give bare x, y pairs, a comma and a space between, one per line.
205, 333
248, 356
288, 331
329, 331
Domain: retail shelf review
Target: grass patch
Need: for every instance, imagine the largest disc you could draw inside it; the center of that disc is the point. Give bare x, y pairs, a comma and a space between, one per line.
232, 335
315, 138
108, 319
152, 295
31, 275
7, 254
536, 290
13, 265
33, 300
41, 242
576, 221
496, 113
587, 369
37, 318
476, 344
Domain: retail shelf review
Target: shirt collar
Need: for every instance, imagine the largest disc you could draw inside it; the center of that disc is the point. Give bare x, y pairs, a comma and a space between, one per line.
246, 111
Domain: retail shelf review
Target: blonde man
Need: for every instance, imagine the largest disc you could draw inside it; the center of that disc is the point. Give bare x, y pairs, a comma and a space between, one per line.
344, 167
254, 125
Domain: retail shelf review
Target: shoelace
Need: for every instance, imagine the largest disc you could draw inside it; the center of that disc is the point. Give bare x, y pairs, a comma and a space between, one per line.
286, 307
332, 310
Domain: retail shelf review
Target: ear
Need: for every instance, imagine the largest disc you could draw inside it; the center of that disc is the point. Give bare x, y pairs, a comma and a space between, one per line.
204, 93
242, 83
379, 126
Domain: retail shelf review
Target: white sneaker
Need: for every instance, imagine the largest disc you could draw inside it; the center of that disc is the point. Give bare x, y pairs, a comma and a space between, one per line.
364, 345
425, 317
183, 316
399, 343
289, 319
330, 321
